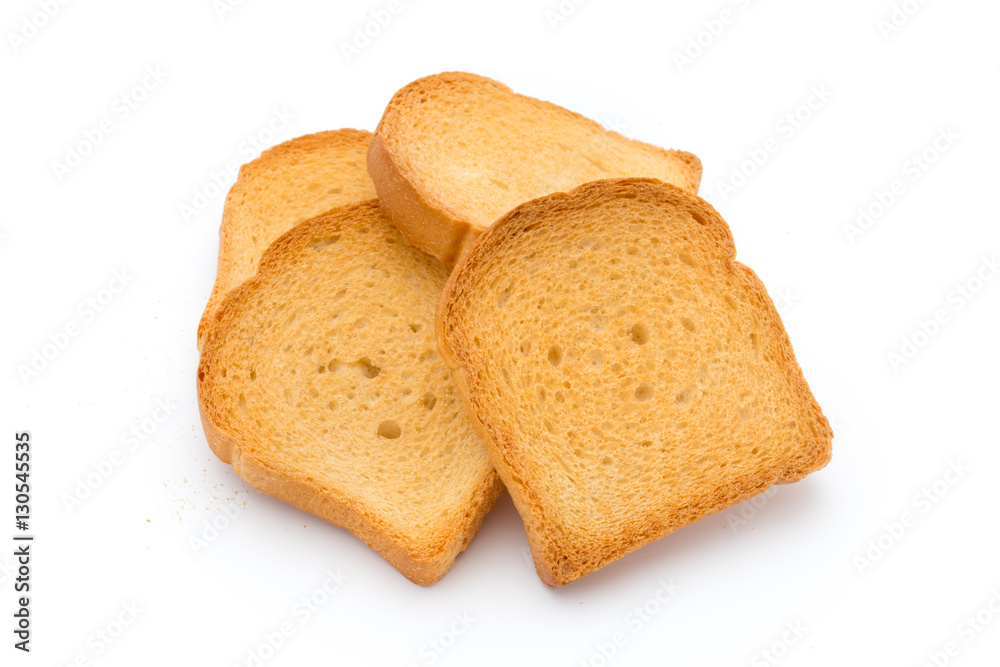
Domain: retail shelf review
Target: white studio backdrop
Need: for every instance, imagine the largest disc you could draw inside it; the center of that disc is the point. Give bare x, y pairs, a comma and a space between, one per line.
852, 149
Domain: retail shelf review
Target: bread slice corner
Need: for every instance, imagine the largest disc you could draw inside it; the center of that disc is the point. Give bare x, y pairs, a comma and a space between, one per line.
287, 184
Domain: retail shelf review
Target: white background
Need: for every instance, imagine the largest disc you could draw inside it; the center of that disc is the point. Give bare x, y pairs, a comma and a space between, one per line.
793, 559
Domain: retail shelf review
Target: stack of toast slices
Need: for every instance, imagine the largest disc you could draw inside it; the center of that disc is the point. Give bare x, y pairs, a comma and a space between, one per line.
492, 291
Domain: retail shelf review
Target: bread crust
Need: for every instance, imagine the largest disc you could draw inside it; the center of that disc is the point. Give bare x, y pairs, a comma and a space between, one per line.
293, 486
428, 219
422, 224
228, 276
551, 549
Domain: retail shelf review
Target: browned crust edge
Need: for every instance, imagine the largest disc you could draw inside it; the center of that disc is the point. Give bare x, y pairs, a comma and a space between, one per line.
431, 224
292, 487
249, 172
500, 442
421, 224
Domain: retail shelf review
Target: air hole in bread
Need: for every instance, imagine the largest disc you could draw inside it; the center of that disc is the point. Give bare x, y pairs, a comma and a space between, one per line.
643, 392
361, 323
703, 376
753, 342
363, 365
698, 217
639, 333
502, 298
389, 429
428, 400
243, 403
596, 358
687, 324
367, 368
684, 397
689, 260
322, 244
525, 347
555, 355
415, 327
731, 302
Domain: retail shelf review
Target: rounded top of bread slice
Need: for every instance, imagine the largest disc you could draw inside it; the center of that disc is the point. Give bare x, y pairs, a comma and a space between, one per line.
455, 151
285, 185
321, 378
629, 375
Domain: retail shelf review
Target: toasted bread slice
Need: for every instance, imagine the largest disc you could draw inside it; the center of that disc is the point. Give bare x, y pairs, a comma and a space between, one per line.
321, 384
456, 151
287, 184
629, 376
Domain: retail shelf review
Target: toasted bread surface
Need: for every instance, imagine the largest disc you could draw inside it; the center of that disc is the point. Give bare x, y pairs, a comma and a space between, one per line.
455, 151
321, 384
287, 184
629, 377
